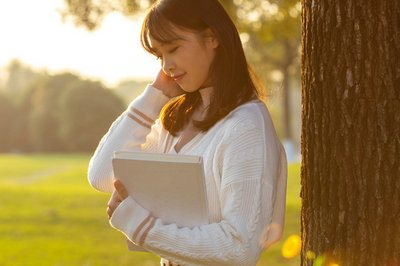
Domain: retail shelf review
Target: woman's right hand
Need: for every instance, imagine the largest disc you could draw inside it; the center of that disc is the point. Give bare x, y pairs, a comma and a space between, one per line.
167, 85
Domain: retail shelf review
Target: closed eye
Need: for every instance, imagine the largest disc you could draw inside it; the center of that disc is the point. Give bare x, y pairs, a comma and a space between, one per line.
170, 52
173, 50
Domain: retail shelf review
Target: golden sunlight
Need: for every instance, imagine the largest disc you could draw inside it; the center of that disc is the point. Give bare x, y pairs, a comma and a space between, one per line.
33, 32
292, 246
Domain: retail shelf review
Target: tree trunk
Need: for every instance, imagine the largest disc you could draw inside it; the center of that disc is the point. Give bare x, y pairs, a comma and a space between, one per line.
290, 56
350, 174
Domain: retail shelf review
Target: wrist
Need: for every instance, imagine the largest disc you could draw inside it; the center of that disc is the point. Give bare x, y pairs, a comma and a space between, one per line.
130, 218
158, 86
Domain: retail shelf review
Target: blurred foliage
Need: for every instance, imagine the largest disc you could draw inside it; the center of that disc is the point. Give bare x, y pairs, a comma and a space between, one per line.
270, 31
6, 112
44, 122
130, 89
85, 106
55, 113
90, 13
19, 76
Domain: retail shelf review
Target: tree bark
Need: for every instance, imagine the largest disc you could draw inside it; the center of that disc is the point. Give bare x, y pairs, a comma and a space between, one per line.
350, 174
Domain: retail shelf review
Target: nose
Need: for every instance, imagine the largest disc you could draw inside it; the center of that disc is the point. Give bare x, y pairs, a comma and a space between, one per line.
168, 66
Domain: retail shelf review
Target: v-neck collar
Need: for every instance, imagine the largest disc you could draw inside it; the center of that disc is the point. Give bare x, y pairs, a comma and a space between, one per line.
187, 145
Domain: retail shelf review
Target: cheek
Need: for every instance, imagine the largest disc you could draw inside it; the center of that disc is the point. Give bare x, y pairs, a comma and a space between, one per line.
206, 61
204, 58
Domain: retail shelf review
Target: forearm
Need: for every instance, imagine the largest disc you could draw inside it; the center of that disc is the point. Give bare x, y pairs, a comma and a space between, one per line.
128, 132
223, 243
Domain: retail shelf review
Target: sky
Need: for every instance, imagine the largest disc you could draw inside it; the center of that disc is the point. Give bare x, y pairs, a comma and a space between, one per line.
33, 32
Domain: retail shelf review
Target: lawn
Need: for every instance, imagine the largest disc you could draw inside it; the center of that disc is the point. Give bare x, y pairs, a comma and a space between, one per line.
51, 216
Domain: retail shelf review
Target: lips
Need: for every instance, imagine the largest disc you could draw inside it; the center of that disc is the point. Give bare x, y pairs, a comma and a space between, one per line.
178, 78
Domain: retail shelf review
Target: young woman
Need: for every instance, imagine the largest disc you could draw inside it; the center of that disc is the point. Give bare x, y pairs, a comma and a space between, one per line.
205, 102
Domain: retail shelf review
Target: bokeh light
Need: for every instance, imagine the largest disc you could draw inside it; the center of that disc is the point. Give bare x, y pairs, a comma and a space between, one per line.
319, 261
310, 255
292, 246
322, 260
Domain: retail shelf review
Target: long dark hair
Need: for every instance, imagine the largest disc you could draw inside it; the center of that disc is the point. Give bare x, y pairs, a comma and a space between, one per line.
233, 81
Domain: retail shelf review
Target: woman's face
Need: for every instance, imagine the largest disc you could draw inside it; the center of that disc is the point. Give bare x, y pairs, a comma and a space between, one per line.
188, 59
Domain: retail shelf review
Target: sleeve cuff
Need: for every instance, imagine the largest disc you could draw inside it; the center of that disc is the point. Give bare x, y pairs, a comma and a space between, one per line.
130, 218
150, 102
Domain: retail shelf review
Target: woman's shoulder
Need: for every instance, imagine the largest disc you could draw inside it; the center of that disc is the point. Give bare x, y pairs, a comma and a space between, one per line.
254, 110
250, 118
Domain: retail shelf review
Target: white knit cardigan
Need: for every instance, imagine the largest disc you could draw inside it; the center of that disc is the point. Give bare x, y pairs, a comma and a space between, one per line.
245, 169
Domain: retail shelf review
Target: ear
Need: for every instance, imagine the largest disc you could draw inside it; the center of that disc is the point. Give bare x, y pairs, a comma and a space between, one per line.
210, 37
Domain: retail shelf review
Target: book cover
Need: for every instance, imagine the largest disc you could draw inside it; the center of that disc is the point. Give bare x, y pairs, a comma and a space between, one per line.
171, 187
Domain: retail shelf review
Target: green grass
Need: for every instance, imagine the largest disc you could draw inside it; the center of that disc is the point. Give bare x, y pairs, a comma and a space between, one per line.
50, 215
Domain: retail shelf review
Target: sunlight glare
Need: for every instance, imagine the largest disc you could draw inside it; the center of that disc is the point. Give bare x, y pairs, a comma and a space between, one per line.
33, 32
292, 246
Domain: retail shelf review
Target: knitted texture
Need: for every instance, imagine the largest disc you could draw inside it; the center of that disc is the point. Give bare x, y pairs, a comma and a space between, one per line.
243, 161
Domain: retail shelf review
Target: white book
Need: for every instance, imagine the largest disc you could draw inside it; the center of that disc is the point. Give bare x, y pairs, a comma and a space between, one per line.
171, 187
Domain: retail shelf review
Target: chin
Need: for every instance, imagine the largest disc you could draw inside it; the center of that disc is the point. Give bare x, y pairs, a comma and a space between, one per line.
183, 88
187, 90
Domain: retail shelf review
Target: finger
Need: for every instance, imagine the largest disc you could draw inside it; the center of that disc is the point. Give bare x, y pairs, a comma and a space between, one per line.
114, 197
123, 193
113, 203
109, 212
270, 235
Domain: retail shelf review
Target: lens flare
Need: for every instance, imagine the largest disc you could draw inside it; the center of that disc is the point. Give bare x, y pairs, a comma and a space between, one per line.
310, 255
292, 246
319, 261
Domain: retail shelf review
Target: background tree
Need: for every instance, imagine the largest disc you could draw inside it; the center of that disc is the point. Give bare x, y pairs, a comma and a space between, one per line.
7, 111
43, 120
58, 113
351, 132
87, 110
270, 30
19, 76
128, 90
21, 126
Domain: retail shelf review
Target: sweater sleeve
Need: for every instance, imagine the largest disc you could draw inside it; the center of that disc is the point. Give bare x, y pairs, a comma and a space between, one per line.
246, 198
128, 132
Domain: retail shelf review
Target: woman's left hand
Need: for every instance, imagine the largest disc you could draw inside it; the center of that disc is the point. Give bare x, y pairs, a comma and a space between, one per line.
120, 193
